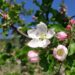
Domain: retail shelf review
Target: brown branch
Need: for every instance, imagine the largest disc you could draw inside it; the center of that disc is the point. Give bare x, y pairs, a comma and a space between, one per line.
72, 17
18, 31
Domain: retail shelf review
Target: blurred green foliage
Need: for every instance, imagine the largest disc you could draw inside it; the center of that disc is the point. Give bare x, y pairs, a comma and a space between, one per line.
15, 48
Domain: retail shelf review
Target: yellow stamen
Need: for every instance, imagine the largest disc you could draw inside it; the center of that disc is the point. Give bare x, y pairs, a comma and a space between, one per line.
42, 36
60, 52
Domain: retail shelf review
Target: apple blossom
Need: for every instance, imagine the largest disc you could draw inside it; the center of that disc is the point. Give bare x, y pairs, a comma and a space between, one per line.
68, 27
61, 36
40, 36
33, 56
60, 52
5, 16
72, 21
34, 17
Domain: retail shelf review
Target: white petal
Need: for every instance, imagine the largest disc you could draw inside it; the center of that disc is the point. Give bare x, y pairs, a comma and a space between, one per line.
63, 56
33, 43
50, 33
42, 28
38, 43
43, 43
32, 33
63, 48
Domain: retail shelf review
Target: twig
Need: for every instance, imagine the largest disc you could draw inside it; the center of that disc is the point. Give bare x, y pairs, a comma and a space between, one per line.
59, 69
18, 31
72, 17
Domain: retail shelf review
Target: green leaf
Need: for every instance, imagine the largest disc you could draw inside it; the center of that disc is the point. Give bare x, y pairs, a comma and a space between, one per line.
72, 49
51, 64
43, 61
57, 27
67, 72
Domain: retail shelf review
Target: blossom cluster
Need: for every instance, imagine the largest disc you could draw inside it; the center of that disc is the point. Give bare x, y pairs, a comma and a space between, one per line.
69, 26
40, 38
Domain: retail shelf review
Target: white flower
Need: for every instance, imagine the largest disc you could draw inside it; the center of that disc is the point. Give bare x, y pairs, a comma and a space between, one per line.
40, 36
60, 52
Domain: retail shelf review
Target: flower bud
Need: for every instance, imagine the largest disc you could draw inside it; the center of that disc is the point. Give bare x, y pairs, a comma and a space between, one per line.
61, 36
72, 21
68, 27
5, 16
33, 56
34, 17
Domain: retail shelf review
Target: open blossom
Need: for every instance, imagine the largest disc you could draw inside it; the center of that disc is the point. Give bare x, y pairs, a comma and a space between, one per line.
60, 52
33, 56
40, 36
61, 36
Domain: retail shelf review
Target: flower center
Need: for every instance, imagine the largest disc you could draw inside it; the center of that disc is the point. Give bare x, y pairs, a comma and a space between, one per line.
60, 52
42, 36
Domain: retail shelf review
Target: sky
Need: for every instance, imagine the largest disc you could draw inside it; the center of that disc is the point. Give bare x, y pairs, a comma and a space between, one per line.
29, 5
69, 3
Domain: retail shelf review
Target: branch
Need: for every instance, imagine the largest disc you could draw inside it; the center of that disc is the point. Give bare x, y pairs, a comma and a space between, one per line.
57, 73
72, 17
18, 31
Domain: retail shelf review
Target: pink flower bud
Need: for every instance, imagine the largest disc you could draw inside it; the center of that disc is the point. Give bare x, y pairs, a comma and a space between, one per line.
5, 16
33, 56
34, 17
62, 10
61, 36
60, 52
72, 21
68, 27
